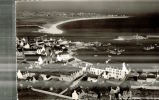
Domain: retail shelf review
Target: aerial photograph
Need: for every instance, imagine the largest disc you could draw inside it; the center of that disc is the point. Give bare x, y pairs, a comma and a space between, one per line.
87, 49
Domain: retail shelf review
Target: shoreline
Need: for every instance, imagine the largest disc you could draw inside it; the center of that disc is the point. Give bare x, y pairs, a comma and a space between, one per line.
53, 29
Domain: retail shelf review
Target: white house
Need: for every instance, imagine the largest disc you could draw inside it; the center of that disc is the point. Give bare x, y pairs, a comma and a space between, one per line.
27, 46
151, 78
38, 51
20, 55
116, 73
96, 71
157, 74
64, 42
63, 57
75, 95
40, 61
43, 49
19, 75
21, 43
110, 72
23, 39
124, 69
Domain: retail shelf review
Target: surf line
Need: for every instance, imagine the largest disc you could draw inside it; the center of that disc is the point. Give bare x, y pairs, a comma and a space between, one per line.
53, 29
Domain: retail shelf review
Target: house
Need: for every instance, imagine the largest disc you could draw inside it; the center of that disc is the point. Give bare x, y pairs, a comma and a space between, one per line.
19, 75
72, 76
38, 51
117, 90
41, 50
20, 55
23, 39
157, 74
64, 42
151, 78
110, 72
96, 71
24, 75
105, 75
63, 57
142, 78
40, 61
27, 46
133, 76
90, 79
75, 96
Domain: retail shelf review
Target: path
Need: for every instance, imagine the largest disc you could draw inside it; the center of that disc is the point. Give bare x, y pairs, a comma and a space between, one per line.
51, 93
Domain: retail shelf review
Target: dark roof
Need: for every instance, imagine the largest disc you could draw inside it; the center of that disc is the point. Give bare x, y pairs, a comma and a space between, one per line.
31, 49
151, 76
63, 53
92, 75
103, 66
142, 77
133, 74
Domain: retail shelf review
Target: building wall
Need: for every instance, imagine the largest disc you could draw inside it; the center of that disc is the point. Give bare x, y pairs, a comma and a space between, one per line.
96, 71
151, 79
71, 77
112, 72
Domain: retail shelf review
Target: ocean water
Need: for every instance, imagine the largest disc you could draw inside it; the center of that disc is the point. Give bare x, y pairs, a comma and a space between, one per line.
105, 7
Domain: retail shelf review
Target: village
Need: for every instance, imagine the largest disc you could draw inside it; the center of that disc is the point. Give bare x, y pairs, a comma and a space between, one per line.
51, 61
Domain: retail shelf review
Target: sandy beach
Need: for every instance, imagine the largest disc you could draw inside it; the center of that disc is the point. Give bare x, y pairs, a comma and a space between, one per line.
55, 30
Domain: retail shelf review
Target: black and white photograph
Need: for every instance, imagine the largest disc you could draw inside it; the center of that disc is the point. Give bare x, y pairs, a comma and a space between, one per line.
87, 49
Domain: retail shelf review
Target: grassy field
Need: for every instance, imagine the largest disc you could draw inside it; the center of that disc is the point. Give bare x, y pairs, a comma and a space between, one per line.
51, 69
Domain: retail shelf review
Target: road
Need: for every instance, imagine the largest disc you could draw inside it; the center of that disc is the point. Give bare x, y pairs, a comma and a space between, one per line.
51, 93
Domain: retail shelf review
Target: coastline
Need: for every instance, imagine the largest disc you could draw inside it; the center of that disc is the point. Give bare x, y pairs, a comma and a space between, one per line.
53, 29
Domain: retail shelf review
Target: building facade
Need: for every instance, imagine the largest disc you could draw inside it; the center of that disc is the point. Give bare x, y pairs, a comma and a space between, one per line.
110, 72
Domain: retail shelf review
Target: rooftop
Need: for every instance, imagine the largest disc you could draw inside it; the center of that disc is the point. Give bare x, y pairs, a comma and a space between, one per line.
103, 66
